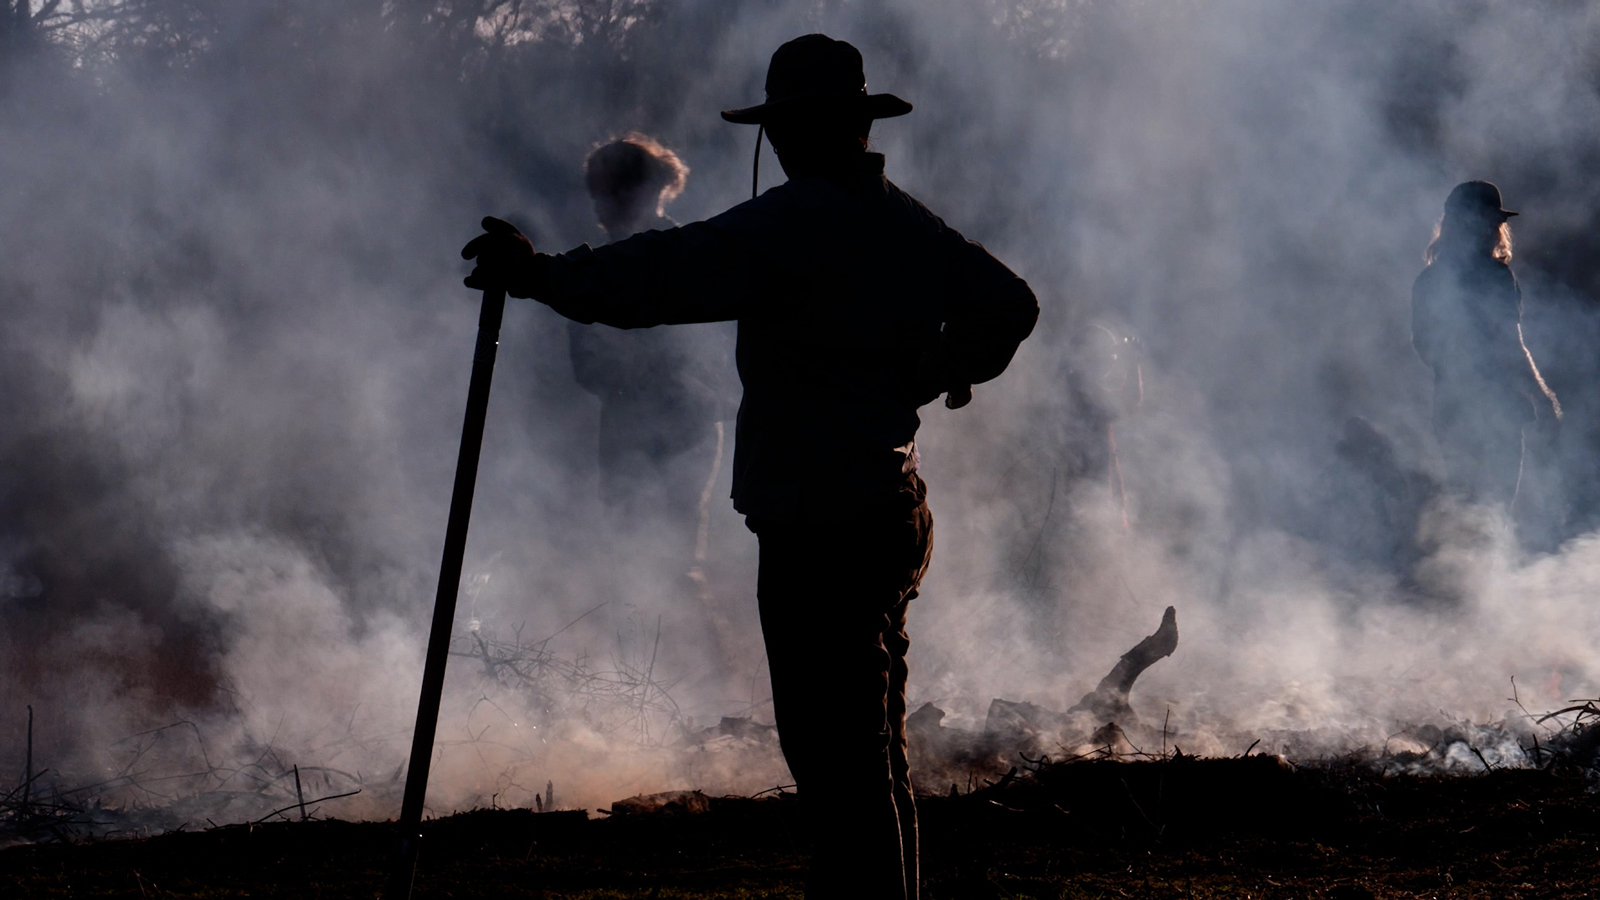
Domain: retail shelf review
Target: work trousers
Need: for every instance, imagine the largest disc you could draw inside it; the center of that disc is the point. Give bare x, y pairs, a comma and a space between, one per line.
833, 593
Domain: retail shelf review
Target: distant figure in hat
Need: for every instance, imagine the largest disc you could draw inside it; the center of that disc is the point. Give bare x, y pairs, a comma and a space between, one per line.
1466, 324
856, 306
660, 390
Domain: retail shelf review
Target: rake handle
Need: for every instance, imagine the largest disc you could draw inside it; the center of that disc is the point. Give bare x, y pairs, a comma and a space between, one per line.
444, 603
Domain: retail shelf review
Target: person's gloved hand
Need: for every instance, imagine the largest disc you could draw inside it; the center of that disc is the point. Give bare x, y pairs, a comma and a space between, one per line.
935, 378
506, 259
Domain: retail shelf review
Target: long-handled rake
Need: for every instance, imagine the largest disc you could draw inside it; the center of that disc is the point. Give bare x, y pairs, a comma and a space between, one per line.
444, 603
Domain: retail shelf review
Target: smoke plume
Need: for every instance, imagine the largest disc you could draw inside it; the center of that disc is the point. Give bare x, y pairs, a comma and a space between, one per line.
236, 351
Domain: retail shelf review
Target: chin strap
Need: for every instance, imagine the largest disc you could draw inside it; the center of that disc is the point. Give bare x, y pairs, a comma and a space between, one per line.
755, 167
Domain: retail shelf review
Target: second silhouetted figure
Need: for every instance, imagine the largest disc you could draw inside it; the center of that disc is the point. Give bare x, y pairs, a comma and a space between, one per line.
661, 392
1466, 324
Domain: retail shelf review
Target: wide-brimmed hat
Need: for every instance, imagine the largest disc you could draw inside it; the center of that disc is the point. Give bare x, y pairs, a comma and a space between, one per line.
1476, 198
816, 70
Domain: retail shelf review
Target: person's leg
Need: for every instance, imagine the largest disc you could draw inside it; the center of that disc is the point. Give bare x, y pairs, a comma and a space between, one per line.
1500, 466
830, 680
833, 599
914, 529
897, 643
1482, 454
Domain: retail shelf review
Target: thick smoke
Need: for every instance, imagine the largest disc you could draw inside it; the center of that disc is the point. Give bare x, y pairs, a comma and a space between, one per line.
236, 351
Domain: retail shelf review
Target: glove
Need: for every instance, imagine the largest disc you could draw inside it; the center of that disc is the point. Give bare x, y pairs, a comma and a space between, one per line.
506, 259
934, 374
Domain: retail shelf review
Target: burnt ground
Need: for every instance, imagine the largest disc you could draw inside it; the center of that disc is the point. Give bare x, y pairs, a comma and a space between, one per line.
1232, 828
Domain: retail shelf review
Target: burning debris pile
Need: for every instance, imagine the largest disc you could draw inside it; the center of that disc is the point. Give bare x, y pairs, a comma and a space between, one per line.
623, 703
622, 698
168, 781
1020, 737
1573, 742
1101, 724
25, 818
170, 778
26, 815
1566, 740
188, 774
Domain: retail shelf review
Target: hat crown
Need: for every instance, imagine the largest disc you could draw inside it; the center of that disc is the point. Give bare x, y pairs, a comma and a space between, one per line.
1474, 198
820, 72
815, 65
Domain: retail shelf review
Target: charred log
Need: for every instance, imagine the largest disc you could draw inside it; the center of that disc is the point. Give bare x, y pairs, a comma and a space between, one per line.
1109, 700
1098, 726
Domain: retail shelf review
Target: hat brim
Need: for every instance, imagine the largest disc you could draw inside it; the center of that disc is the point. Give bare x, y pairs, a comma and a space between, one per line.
875, 106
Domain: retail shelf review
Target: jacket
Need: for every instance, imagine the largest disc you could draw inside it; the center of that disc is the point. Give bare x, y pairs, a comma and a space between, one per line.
855, 306
1466, 315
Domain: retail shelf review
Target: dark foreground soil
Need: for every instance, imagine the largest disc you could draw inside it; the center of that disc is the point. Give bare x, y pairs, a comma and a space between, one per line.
1239, 828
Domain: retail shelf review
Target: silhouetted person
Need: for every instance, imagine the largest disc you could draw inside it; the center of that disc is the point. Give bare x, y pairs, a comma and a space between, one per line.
856, 306
660, 390
1466, 314
631, 180
1105, 383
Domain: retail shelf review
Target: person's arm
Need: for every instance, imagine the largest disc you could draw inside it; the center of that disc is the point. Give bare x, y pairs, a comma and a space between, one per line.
693, 273
701, 272
1518, 359
989, 312
1531, 380
1422, 326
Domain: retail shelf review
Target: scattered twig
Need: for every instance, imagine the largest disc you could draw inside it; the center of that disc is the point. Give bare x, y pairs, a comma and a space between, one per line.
27, 770
1514, 698
1479, 755
293, 805
299, 794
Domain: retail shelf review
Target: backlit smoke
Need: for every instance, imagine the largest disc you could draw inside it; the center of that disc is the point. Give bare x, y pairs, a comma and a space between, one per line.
236, 350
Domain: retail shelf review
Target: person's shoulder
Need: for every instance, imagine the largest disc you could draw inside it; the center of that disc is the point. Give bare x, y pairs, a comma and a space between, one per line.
919, 218
1488, 273
773, 203
1427, 276
1433, 277
914, 208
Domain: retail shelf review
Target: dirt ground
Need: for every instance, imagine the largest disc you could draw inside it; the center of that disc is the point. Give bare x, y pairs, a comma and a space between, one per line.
1235, 828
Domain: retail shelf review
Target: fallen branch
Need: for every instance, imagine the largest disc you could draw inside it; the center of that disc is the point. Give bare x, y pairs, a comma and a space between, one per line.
303, 803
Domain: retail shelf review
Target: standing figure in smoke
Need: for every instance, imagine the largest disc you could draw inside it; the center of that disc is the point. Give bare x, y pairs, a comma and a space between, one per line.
856, 305
1466, 324
660, 390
